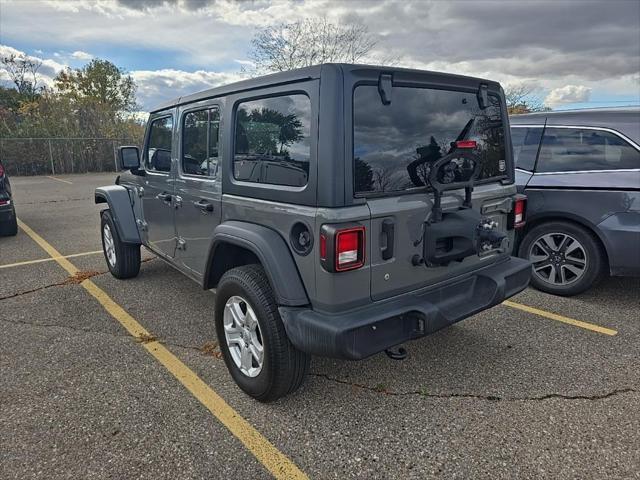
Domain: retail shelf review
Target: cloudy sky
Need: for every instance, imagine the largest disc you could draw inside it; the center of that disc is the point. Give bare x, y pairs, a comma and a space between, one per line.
574, 53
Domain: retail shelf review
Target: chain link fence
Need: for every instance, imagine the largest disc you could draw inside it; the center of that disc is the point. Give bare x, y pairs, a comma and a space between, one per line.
51, 156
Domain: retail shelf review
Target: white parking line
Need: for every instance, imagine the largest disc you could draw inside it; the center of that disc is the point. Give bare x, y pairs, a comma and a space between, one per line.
59, 179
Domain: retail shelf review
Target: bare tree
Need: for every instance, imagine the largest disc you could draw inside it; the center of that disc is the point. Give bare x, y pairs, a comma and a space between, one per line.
309, 42
23, 72
523, 99
381, 179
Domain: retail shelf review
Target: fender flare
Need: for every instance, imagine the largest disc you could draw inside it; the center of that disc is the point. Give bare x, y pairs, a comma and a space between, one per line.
272, 251
117, 197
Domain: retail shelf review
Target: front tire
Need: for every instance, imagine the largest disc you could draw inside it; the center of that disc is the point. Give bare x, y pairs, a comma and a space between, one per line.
252, 338
122, 259
567, 259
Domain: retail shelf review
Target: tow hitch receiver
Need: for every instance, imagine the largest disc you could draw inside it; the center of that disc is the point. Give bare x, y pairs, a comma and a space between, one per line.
397, 354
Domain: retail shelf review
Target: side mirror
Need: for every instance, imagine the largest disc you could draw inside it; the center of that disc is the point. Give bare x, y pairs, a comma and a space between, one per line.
129, 158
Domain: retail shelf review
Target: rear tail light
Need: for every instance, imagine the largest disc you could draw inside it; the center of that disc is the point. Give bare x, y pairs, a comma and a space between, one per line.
519, 211
1, 170
350, 249
5, 202
342, 247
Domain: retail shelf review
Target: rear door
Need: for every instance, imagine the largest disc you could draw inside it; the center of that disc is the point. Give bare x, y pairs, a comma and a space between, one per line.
198, 187
393, 147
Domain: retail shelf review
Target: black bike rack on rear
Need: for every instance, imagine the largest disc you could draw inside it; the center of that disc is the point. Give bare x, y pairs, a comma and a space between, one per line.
455, 235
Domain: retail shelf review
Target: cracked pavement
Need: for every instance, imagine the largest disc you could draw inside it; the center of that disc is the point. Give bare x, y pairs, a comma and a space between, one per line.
505, 394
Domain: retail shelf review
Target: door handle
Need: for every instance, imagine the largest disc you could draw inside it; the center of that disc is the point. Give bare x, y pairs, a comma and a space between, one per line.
164, 196
203, 205
388, 233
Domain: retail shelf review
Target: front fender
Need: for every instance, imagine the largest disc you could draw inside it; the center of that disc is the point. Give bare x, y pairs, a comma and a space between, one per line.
117, 197
273, 253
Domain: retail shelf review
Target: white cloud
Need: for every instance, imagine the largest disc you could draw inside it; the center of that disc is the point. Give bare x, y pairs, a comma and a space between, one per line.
80, 55
47, 71
534, 43
568, 94
154, 86
158, 86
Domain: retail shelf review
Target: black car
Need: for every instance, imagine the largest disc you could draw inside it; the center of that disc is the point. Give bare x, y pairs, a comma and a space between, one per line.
8, 220
580, 170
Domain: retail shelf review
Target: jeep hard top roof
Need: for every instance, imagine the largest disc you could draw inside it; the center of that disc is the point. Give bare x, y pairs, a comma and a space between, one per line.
308, 73
626, 120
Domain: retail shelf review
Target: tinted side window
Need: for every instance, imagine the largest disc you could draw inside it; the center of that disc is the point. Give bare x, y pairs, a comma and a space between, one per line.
200, 142
526, 141
158, 154
272, 140
395, 145
571, 149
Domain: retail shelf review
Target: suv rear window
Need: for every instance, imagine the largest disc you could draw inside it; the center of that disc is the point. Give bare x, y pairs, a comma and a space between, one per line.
576, 149
392, 141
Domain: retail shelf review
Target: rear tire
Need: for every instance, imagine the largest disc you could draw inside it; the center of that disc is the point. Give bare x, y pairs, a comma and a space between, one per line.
567, 258
245, 296
10, 228
123, 259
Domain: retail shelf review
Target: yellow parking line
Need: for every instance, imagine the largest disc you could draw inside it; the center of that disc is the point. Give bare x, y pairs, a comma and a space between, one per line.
50, 259
59, 179
275, 461
560, 318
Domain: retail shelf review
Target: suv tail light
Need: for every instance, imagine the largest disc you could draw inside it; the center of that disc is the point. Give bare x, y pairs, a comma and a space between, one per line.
342, 247
519, 211
1, 170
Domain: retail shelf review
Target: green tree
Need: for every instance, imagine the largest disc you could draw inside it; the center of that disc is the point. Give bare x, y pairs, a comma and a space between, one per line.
270, 131
99, 82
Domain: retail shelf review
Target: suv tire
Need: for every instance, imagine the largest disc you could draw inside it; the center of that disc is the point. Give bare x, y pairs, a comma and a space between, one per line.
246, 291
122, 259
574, 258
10, 228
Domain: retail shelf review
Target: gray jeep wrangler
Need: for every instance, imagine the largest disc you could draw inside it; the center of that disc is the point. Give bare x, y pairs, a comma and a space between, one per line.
338, 210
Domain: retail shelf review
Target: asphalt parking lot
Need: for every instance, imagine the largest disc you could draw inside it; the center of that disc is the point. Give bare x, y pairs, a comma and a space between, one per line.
102, 378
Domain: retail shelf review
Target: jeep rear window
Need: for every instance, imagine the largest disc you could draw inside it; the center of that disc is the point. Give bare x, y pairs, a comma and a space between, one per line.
393, 145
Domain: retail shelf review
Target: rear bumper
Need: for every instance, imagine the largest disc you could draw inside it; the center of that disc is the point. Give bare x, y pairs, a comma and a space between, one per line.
362, 332
621, 234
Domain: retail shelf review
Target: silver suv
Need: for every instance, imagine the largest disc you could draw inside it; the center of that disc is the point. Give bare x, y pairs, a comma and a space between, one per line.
338, 210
